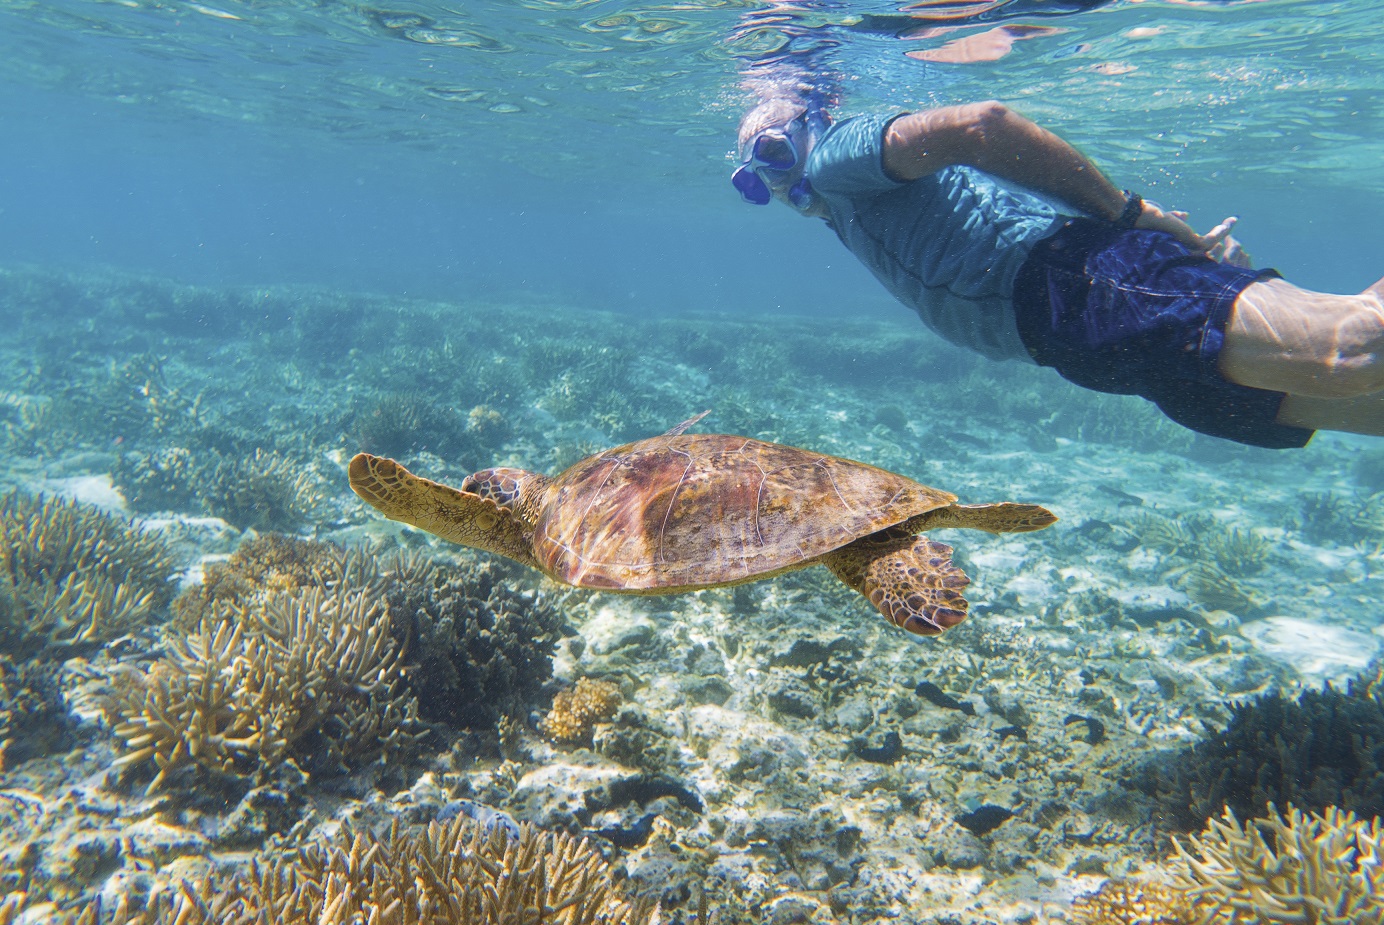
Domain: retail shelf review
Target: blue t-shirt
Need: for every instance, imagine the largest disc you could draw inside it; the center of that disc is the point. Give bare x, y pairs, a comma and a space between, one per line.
948, 245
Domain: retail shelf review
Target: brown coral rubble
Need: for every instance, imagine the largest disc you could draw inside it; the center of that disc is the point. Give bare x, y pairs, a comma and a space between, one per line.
1131, 902
575, 711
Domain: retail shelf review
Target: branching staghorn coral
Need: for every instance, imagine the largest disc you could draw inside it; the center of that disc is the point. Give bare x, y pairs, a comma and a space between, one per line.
313, 675
1107, 419
400, 423
1180, 537
268, 491
1325, 869
65, 537
1213, 589
479, 646
71, 574
185, 709
1202, 539
455, 872
161, 480
1239, 552
24, 420
275, 562
96, 401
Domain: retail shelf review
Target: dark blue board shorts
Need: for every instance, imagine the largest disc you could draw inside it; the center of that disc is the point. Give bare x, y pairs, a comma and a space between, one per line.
1137, 313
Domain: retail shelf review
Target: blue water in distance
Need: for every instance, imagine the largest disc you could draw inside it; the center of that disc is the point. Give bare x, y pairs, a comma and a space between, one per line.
579, 150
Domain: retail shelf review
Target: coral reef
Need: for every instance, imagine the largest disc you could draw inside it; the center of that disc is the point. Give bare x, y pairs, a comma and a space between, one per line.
268, 562
460, 871
1175, 537
1326, 748
128, 402
481, 646
1206, 559
1336, 519
34, 719
1204, 541
489, 427
1116, 419
401, 423
164, 479
1239, 552
1322, 869
577, 710
1213, 589
778, 742
71, 574
1133, 902
268, 491
26, 419
311, 675
478, 645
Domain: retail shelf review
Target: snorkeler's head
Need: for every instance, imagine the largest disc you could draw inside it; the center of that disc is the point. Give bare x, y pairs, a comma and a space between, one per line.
774, 141
773, 113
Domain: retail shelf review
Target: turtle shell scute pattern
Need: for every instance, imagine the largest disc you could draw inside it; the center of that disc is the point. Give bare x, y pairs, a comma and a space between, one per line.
699, 510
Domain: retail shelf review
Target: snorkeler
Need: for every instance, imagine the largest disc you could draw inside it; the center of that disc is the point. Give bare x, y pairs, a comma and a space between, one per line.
1115, 293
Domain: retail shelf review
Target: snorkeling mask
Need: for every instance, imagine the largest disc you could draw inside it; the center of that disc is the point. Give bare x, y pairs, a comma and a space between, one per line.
776, 150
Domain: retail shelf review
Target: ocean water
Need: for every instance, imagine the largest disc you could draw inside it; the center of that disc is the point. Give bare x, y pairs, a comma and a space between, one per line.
242, 241
584, 147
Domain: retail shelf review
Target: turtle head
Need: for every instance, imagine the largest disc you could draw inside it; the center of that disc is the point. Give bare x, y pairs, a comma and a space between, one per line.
476, 516
514, 490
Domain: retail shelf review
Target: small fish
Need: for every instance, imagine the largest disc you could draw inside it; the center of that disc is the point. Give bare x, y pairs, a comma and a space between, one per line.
938, 697
489, 818
887, 753
959, 436
1095, 729
629, 836
1018, 732
984, 819
642, 789
1120, 495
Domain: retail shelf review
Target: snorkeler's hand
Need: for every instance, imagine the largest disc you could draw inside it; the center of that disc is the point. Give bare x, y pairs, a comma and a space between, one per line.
1175, 224
1231, 253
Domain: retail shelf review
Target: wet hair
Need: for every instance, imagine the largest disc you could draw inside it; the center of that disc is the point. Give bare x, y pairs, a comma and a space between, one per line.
771, 113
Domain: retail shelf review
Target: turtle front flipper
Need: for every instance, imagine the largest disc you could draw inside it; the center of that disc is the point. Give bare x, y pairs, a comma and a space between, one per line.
909, 579
456, 516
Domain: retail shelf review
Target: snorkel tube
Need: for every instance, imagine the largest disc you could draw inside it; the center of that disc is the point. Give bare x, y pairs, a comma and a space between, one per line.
814, 124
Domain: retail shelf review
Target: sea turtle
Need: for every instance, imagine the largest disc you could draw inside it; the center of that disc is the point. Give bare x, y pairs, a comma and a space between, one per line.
680, 512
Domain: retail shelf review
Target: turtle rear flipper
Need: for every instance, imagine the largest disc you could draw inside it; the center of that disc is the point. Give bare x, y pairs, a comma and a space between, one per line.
1001, 517
909, 579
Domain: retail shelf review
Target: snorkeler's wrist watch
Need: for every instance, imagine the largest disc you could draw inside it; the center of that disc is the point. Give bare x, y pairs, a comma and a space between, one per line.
1133, 208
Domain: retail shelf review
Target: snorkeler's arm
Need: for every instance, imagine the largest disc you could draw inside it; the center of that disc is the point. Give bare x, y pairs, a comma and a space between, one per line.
991, 137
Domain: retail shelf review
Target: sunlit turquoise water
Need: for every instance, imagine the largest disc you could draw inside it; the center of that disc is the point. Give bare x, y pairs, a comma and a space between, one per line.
582, 148
519, 246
